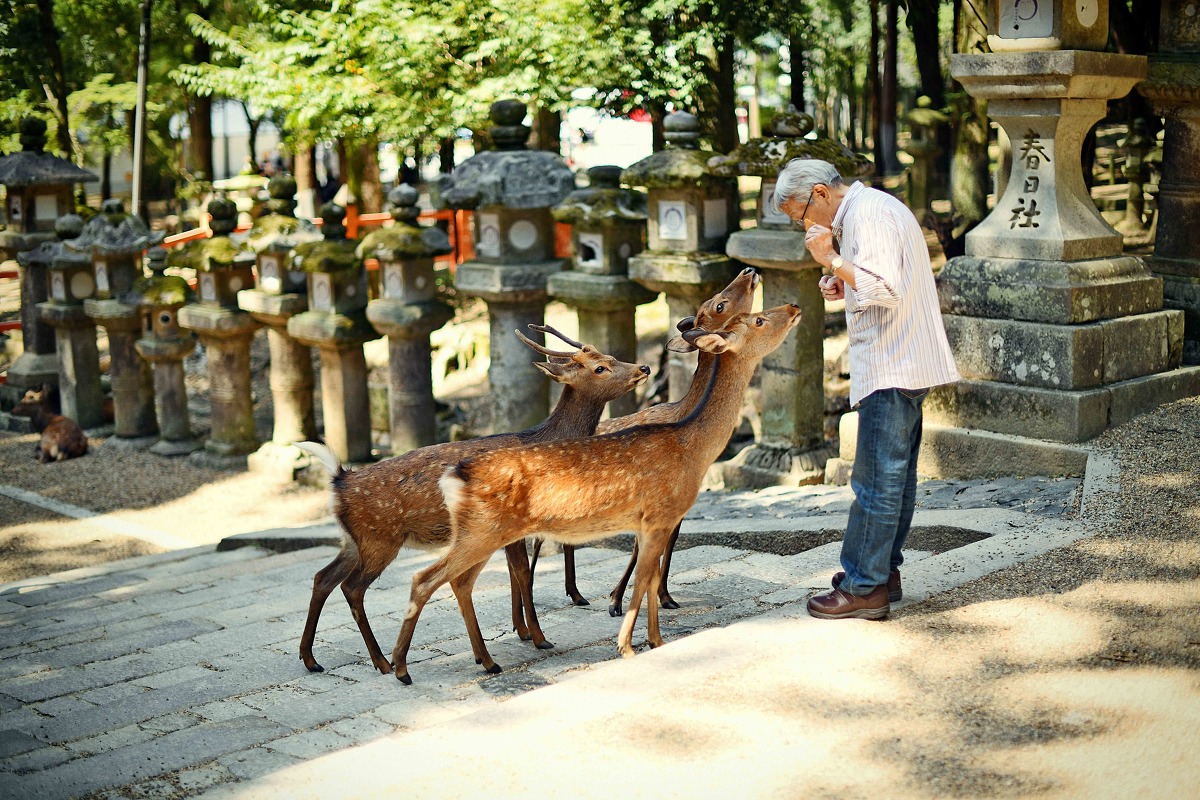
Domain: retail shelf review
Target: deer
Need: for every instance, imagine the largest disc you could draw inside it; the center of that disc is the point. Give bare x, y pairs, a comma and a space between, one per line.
576, 490
62, 438
396, 503
713, 314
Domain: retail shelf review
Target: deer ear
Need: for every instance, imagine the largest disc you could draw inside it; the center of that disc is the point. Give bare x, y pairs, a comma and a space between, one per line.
715, 343
555, 372
680, 345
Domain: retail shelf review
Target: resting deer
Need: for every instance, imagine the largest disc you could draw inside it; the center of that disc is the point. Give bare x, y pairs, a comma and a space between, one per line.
62, 438
396, 502
644, 479
736, 298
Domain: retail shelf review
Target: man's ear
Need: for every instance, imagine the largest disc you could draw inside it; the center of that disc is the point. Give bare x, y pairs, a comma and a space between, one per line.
680, 345
556, 372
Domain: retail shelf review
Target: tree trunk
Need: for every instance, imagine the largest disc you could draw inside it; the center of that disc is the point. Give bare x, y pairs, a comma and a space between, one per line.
446, 155
370, 187
726, 131
969, 167
55, 83
306, 182
253, 123
873, 89
547, 129
658, 139
923, 20
887, 94
105, 175
200, 110
796, 62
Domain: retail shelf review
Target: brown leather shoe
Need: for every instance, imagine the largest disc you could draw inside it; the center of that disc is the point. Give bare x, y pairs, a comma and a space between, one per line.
895, 590
839, 605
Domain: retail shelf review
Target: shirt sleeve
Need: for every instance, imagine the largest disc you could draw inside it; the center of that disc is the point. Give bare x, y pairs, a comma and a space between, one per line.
876, 263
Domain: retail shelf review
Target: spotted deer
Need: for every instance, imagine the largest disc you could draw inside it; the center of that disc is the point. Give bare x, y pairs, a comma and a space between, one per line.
62, 438
643, 479
713, 314
396, 503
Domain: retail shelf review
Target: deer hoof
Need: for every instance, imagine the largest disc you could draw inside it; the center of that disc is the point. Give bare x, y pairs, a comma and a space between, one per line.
545, 645
614, 609
406, 679
315, 667
666, 601
494, 669
580, 601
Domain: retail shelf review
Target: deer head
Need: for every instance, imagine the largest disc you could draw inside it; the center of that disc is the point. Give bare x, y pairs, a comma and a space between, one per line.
736, 298
751, 335
586, 369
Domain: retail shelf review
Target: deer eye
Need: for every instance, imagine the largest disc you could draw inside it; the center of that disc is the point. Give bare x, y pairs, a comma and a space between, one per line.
600, 370
720, 308
759, 321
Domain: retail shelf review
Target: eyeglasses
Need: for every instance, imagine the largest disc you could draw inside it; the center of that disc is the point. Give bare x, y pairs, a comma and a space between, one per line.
804, 213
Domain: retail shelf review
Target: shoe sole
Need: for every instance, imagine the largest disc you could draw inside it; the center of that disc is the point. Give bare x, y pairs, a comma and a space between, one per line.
862, 613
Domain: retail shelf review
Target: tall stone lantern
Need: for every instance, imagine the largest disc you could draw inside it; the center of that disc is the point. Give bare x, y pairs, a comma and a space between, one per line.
792, 450
38, 187
407, 312
165, 345
282, 293
115, 242
336, 324
608, 227
511, 190
691, 214
1173, 86
222, 270
1056, 332
71, 282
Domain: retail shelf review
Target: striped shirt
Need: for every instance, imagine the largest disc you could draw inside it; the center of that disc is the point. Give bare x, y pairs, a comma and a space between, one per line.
897, 340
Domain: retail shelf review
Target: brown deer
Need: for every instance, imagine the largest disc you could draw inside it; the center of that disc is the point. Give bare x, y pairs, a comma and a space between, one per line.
644, 479
394, 503
736, 298
62, 438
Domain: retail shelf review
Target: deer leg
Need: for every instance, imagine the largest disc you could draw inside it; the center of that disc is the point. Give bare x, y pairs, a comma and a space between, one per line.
664, 597
355, 587
572, 588
425, 582
323, 584
618, 593
645, 585
518, 563
462, 586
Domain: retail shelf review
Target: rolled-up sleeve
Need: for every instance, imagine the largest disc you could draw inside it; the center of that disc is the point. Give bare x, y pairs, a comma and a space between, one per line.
877, 256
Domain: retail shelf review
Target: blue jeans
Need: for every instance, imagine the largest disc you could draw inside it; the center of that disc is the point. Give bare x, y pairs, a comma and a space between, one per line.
885, 487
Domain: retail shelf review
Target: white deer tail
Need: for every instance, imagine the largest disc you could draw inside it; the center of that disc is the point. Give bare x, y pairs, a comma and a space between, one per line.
324, 455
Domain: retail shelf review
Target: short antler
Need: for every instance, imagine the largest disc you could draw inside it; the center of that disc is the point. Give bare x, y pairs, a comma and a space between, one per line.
554, 331
553, 354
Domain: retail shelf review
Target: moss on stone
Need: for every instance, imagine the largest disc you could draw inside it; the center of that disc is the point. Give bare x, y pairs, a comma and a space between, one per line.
161, 290
207, 255
272, 229
766, 156
670, 168
597, 207
326, 256
401, 241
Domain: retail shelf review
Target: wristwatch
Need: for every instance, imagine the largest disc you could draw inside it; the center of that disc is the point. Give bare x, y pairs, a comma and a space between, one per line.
837, 263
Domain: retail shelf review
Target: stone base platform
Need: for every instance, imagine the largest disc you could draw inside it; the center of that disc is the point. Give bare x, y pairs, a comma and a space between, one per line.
759, 466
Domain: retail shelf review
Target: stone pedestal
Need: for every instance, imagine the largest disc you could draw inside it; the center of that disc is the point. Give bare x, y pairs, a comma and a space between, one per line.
1056, 333
78, 363
175, 437
226, 337
344, 401
1173, 86
291, 379
134, 422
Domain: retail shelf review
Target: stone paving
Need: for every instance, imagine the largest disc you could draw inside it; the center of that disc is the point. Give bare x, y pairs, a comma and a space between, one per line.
168, 675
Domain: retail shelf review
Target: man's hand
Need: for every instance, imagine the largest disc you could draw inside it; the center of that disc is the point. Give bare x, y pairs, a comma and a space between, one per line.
832, 288
819, 241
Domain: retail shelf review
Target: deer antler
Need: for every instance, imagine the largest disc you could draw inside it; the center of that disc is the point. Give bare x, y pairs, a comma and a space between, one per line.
551, 354
548, 329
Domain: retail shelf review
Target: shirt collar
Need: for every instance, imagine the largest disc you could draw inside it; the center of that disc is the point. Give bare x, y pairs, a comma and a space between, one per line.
838, 218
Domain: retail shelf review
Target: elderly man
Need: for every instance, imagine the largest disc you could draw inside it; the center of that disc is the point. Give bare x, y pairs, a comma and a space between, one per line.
898, 350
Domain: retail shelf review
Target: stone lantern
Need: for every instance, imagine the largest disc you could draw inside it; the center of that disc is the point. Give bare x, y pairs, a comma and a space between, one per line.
1173, 86
164, 344
115, 242
71, 282
1057, 333
1017, 26
608, 226
792, 449
924, 186
511, 190
282, 293
691, 214
336, 324
38, 187
222, 270
407, 312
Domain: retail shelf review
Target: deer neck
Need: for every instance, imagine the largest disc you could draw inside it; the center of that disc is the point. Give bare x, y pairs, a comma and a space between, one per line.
707, 429
574, 415
704, 368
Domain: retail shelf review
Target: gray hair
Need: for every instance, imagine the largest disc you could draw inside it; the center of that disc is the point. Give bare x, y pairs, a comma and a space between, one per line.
799, 177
